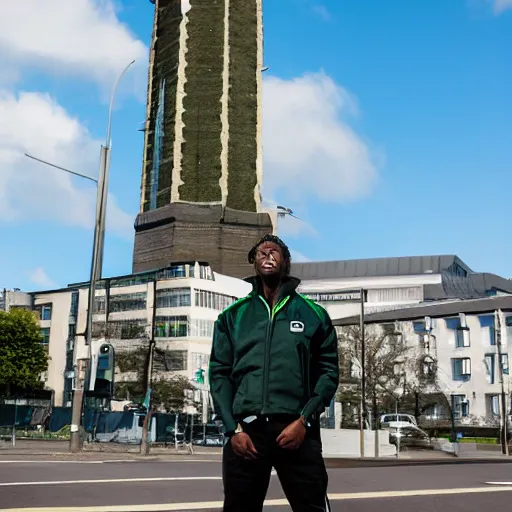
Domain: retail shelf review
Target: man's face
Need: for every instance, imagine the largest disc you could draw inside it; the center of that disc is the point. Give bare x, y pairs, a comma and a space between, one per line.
269, 260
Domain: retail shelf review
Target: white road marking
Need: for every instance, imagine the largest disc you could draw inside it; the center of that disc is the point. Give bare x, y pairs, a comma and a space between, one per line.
113, 461
53, 461
212, 505
498, 483
111, 481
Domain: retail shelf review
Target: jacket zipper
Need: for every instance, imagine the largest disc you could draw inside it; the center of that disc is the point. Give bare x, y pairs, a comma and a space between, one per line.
271, 315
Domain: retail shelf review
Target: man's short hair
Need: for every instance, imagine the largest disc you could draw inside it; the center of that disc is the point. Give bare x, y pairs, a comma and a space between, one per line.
275, 240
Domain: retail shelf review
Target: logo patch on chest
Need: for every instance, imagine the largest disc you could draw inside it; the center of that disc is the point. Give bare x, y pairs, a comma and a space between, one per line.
296, 326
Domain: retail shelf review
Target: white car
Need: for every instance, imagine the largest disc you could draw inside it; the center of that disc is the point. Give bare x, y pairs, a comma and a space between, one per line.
393, 420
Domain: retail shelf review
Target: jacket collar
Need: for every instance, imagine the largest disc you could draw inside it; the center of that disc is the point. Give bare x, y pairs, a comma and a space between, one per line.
288, 286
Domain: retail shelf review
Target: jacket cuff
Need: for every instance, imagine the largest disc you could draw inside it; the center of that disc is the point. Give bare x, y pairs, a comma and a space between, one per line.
310, 408
229, 424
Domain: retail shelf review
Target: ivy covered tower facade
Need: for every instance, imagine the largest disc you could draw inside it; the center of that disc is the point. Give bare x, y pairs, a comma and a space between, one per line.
202, 162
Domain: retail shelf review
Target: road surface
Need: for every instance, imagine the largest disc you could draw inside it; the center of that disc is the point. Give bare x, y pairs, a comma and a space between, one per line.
191, 484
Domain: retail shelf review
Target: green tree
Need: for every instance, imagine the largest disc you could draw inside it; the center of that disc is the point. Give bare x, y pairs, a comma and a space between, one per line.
169, 392
22, 356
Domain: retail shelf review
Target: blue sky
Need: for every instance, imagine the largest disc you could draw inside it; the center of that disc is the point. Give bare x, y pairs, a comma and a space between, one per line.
388, 129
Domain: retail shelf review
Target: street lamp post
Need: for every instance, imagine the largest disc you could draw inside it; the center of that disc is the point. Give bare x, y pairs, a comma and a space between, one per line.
362, 415
96, 263
96, 266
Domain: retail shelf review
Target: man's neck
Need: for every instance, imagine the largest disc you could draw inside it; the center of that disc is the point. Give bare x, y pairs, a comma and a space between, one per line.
270, 291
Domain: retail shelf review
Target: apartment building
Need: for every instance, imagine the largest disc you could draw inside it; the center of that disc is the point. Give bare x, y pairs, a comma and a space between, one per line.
462, 347
179, 304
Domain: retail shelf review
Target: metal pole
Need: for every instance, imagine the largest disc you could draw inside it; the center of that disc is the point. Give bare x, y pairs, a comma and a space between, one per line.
398, 432
144, 445
176, 425
363, 378
14, 423
96, 270
95, 273
452, 407
62, 168
503, 398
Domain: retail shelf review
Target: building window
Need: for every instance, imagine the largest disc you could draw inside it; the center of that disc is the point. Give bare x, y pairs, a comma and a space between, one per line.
395, 294
200, 328
492, 405
488, 328
127, 330
461, 368
419, 327
45, 312
508, 326
127, 302
205, 272
176, 360
504, 364
213, 300
490, 367
173, 298
171, 327
460, 335
157, 148
73, 310
460, 406
200, 360
174, 272
45, 334
99, 305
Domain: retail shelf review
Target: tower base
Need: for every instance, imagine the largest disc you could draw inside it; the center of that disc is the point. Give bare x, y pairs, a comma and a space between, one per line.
194, 232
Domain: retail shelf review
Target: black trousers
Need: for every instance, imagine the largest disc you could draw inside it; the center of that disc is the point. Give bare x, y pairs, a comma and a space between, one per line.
301, 472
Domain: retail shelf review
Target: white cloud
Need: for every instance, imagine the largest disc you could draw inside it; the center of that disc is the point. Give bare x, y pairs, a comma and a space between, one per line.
298, 257
36, 124
72, 37
40, 278
500, 6
310, 151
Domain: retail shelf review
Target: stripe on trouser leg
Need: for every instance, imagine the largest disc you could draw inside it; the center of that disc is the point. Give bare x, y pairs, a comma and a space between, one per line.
327, 504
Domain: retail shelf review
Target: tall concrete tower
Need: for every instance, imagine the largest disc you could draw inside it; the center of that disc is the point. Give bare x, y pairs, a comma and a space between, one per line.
202, 164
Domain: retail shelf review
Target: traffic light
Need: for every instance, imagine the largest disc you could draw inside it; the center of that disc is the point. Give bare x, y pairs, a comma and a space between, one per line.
101, 383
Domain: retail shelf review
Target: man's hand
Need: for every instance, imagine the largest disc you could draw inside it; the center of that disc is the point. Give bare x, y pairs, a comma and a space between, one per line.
243, 446
293, 435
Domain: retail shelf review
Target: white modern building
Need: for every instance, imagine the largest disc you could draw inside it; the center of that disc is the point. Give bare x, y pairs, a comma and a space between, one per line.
392, 283
179, 304
467, 343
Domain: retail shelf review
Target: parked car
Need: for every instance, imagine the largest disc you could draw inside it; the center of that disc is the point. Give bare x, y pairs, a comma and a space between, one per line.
393, 420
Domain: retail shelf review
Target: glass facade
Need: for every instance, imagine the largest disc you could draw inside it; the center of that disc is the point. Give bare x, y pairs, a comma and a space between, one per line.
171, 326
183, 326
173, 298
45, 334
213, 300
127, 302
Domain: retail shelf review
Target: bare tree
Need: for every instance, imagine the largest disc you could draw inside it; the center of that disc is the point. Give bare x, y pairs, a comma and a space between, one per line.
385, 366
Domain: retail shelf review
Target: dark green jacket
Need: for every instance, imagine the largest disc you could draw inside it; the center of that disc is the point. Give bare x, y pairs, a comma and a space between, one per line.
280, 361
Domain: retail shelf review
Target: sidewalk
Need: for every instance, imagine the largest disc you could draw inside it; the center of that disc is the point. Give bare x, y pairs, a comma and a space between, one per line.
59, 451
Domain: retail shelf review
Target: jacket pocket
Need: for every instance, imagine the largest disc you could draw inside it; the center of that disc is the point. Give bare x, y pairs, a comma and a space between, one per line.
247, 394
